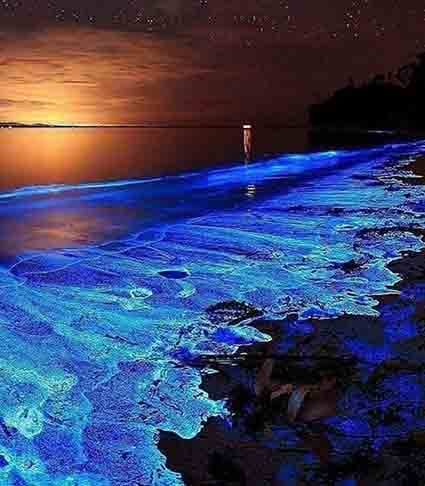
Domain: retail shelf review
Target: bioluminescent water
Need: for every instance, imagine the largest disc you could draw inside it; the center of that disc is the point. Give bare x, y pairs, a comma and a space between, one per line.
104, 289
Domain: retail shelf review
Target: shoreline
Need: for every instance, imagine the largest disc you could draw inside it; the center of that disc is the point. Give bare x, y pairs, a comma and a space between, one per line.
324, 137
289, 450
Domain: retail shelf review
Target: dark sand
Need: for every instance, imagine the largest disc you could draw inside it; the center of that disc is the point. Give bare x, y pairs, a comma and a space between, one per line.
224, 455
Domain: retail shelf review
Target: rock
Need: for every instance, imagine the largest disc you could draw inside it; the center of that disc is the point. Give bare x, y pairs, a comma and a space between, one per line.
350, 266
231, 312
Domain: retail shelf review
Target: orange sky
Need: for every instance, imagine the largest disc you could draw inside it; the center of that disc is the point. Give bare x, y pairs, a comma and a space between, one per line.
83, 76
89, 75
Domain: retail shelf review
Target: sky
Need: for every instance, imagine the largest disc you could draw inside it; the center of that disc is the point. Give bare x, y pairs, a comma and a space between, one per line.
136, 61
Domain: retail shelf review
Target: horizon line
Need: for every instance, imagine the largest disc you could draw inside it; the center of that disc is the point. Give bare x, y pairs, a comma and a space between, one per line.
183, 124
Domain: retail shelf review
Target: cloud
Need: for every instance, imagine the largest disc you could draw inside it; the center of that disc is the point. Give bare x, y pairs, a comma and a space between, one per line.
215, 69
13, 103
115, 77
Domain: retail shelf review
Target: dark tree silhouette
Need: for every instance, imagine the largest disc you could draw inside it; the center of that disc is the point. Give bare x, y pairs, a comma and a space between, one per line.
394, 100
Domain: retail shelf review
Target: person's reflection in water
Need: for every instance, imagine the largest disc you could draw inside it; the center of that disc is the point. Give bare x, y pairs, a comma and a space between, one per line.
247, 142
251, 191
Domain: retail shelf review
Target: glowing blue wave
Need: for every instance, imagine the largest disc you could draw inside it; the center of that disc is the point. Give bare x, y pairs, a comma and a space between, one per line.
92, 330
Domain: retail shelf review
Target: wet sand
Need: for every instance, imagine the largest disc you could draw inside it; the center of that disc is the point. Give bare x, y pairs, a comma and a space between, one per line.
311, 450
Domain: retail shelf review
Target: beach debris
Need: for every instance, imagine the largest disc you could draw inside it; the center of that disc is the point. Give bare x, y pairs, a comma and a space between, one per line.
231, 312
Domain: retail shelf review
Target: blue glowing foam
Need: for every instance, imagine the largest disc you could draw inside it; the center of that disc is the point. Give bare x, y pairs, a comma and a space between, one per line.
103, 288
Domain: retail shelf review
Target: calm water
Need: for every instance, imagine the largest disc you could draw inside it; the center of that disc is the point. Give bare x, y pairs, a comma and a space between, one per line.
54, 156
104, 287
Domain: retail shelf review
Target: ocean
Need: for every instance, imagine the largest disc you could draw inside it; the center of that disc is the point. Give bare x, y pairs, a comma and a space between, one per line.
107, 274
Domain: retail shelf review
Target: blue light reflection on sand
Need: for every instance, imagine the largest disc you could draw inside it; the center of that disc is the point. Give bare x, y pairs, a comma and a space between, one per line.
104, 286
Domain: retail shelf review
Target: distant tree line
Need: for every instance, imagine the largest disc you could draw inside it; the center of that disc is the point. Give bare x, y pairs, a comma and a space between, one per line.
395, 100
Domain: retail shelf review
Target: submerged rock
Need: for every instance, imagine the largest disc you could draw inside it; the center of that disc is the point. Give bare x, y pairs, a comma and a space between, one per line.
232, 312
351, 266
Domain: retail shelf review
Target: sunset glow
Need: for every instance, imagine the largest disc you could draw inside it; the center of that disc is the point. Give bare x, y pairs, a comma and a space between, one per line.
65, 85
86, 73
